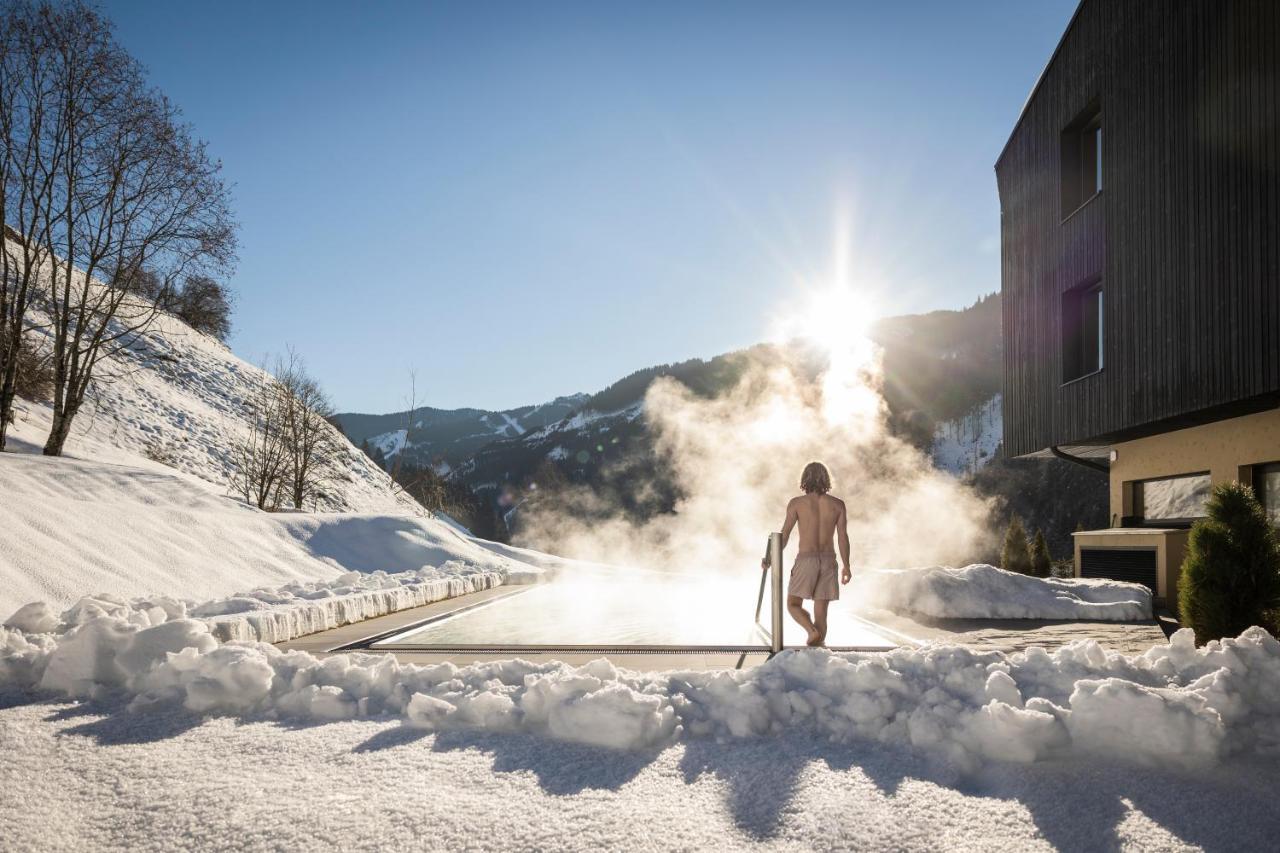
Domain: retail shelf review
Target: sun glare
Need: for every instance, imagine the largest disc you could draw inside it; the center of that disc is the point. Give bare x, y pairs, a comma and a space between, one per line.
837, 319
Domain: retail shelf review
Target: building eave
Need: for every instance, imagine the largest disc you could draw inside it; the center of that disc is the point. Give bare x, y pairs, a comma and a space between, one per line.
1039, 80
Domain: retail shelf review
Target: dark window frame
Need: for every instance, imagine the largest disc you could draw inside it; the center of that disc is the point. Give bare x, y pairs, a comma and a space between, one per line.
1083, 164
1139, 509
1083, 331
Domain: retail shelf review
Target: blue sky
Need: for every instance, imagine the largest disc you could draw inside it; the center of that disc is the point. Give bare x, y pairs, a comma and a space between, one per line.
529, 199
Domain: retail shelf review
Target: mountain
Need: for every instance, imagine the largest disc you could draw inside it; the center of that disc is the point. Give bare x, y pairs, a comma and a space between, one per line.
444, 438
942, 378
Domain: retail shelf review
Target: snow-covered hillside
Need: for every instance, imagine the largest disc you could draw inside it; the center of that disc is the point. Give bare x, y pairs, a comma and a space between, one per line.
180, 396
141, 503
443, 438
965, 444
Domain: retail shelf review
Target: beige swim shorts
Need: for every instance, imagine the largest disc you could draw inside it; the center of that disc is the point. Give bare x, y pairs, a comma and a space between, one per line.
814, 576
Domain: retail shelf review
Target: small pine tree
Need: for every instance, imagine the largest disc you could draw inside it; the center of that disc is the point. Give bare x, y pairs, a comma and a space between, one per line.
1016, 556
1231, 575
1041, 562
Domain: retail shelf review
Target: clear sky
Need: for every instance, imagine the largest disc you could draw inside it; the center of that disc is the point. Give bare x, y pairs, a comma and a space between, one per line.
530, 199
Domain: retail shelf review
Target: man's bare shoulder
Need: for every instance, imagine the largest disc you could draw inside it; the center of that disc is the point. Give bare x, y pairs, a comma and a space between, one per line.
835, 500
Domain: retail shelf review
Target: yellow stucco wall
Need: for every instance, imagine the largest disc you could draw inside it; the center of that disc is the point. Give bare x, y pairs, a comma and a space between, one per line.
1225, 449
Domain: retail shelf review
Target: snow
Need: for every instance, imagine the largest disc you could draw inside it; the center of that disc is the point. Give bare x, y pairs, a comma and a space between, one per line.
391, 443
985, 592
964, 445
513, 423
73, 527
1174, 706
180, 396
584, 418
558, 452
94, 776
140, 505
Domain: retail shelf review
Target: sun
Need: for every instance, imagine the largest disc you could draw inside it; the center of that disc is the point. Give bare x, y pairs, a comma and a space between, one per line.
836, 318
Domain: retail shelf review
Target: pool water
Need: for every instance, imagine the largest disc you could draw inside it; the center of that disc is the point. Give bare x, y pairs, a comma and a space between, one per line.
616, 607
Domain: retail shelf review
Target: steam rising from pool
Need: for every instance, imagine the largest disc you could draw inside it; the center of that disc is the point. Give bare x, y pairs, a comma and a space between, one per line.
736, 459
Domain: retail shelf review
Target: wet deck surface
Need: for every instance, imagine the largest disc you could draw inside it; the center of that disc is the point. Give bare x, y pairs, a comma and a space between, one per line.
1014, 635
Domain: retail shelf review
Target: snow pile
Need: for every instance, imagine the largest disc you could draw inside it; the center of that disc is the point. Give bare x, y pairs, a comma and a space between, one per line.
276, 615
1173, 705
298, 609
981, 591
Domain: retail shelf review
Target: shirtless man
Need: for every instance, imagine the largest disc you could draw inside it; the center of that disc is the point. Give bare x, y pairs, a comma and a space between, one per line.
820, 516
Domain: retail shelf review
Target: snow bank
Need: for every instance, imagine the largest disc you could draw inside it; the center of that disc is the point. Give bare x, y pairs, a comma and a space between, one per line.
71, 527
1174, 705
274, 616
985, 592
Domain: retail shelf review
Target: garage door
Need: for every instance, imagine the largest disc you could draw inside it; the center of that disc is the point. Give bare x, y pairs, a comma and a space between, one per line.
1136, 565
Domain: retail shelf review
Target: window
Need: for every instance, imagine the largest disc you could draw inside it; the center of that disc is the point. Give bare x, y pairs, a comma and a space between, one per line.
1172, 500
1082, 327
1266, 482
1081, 160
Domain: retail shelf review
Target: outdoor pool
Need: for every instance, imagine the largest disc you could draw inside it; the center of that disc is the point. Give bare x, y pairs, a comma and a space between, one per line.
617, 608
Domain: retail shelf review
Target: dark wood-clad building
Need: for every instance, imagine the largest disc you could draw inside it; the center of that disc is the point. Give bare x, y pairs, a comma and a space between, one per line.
1140, 220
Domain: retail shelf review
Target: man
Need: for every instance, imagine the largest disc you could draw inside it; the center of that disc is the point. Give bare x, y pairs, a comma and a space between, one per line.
813, 575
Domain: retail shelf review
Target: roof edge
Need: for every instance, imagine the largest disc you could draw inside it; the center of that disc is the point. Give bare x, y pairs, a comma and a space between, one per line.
1040, 79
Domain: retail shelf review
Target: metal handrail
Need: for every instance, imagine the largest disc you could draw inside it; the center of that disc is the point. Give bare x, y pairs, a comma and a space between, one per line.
774, 572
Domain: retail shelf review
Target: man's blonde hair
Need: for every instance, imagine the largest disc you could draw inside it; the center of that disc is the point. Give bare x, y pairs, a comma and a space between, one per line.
816, 478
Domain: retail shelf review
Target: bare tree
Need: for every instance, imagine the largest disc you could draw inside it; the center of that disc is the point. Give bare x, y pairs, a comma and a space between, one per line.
110, 182
205, 305
261, 458
33, 151
310, 441
412, 400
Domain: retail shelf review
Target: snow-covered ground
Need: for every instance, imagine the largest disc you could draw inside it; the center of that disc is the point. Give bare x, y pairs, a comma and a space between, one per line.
966, 444
986, 592
913, 749
147, 716
95, 777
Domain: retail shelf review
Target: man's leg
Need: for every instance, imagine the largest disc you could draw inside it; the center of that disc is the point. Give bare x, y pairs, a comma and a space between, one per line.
795, 606
820, 606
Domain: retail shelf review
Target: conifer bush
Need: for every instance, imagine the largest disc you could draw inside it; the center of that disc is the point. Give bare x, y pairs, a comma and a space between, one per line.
1231, 575
1041, 562
1016, 555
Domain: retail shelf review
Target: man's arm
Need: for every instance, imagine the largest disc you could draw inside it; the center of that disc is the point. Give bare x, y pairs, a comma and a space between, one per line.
787, 524
842, 534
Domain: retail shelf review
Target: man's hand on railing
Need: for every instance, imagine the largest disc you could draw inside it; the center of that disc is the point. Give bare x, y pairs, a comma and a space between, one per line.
764, 564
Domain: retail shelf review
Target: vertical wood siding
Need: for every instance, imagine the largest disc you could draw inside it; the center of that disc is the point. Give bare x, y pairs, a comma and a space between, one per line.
1186, 231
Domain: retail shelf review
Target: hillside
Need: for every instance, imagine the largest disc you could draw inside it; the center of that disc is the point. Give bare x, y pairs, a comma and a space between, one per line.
444, 438
141, 503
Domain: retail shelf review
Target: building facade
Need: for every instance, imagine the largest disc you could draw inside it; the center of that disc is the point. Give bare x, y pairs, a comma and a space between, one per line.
1140, 267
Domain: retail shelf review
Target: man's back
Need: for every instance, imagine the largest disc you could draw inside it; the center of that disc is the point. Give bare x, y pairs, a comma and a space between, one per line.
817, 516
